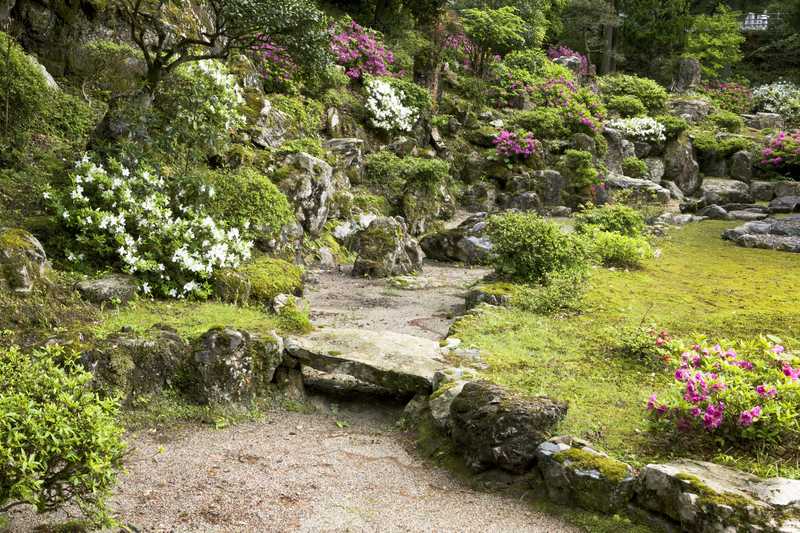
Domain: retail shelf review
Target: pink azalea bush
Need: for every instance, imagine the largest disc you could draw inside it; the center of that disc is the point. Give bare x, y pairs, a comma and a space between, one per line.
554, 52
746, 391
730, 96
361, 52
511, 145
782, 153
460, 48
581, 108
275, 65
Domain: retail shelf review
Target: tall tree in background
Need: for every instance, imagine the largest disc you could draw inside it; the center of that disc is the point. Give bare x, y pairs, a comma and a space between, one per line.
589, 27
654, 34
716, 41
494, 32
540, 17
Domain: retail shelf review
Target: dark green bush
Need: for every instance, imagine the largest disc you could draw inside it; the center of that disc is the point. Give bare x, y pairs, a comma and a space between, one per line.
528, 248
614, 218
59, 442
634, 167
674, 125
626, 106
652, 95
578, 166
247, 197
727, 121
543, 122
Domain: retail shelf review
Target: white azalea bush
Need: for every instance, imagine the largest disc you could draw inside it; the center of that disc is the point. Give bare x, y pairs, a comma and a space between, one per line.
387, 107
782, 97
200, 105
645, 129
130, 218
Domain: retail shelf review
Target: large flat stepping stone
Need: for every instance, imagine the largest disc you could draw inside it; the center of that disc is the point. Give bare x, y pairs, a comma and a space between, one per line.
397, 362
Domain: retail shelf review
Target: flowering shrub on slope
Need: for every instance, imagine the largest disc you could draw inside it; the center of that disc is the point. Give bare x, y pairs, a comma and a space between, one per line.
782, 153
747, 392
275, 66
580, 108
781, 97
128, 217
730, 96
644, 129
361, 52
515, 145
555, 52
387, 109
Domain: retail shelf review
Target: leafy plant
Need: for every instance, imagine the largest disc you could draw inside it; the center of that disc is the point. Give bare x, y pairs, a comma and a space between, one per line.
387, 107
727, 121
361, 51
730, 96
673, 126
648, 92
634, 167
626, 106
59, 442
510, 145
494, 32
716, 40
615, 218
528, 248
542, 122
782, 97
782, 153
616, 250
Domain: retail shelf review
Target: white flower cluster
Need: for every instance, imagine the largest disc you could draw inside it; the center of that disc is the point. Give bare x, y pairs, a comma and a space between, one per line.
645, 129
781, 97
386, 108
116, 213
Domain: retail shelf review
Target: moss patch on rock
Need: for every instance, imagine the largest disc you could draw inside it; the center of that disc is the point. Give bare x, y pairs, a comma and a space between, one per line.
613, 470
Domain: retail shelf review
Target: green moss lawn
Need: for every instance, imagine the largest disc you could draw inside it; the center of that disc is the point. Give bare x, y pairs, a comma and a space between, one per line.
699, 284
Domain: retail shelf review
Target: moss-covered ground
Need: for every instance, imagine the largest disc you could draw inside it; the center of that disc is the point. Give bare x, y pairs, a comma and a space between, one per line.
699, 284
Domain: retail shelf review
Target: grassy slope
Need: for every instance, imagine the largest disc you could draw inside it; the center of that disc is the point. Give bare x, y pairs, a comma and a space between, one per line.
699, 284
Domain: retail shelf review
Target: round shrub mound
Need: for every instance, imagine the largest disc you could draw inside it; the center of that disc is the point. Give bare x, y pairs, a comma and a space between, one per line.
270, 277
652, 95
247, 197
615, 218
626, 106
59, 442
528, 248
616, 250
634, 167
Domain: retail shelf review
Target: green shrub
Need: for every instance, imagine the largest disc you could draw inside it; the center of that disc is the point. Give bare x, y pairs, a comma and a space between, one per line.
106, 68
415, 95
652, 95
310, 145
59, 442
560, 292
626, 106
543, 122
673, 125
616, 250
709, 143
578, 167
248, 199
528, 248
727, 121
531, 59
389, 175
305, 114
634, 167
641, 344
614, 218
294, 318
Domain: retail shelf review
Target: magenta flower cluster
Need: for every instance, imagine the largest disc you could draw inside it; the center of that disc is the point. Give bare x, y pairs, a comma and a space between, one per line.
782, 152
581, 108
511, 145
274, 63
554, 52
361, 52
718, 390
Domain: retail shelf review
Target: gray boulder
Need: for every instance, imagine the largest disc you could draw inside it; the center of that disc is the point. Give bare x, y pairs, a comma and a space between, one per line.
674, 191
692, 109
741, 166
762, 121
762, 191
232, 365
785, 204
725, 191
480, 197
688, 77
574, 472
271, 127
23, 261
386, 249
309, 186
642, 188
775, 234
680, 165
787, 188
393, 361
349, 150
116, 288
550, 186
526, 201
714, 212
441, 401
655, 169
496, 428
466, 243
706, 497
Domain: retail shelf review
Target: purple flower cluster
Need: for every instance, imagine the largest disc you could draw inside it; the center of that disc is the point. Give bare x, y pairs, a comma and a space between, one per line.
782, 151
563, 51
360, 52
274, 63
580, 107
511, 145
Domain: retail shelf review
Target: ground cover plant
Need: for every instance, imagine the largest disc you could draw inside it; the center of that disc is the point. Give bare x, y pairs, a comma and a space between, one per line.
572, 356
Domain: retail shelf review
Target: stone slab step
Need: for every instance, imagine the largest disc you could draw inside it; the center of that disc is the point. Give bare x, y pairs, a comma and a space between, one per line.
401, 363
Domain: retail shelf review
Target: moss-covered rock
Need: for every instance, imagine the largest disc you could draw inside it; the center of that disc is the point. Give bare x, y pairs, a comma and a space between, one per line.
308, 183
572, 471
23, 261
259, 282
385, 249
497, 428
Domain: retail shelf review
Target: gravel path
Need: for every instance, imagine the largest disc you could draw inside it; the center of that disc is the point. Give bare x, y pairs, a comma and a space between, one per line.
340, 300
298, 472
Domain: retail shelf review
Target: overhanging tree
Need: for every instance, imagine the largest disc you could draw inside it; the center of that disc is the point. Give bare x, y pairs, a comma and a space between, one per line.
173, 32
494, 31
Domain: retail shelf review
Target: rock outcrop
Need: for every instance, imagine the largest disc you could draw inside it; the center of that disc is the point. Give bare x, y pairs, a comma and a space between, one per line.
23, 261
775, 234
386, 249
309, 186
